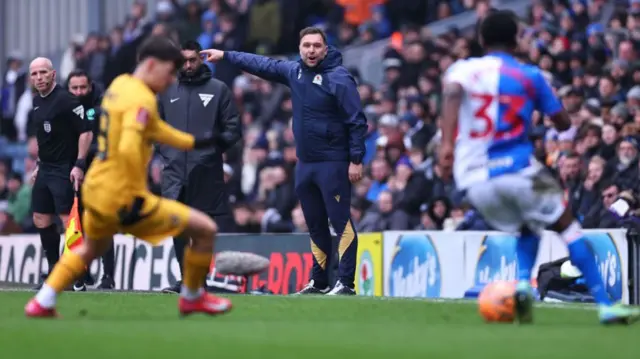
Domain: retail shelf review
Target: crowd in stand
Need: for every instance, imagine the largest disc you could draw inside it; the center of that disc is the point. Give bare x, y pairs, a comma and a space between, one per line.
592, 63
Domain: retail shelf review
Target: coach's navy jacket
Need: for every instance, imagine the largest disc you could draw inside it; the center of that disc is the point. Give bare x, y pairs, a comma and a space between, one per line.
328, 122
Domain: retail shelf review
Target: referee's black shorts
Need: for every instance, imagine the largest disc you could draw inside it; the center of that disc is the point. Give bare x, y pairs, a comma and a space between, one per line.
52, 191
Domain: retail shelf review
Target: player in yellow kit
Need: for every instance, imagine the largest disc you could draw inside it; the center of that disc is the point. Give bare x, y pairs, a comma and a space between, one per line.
115, 193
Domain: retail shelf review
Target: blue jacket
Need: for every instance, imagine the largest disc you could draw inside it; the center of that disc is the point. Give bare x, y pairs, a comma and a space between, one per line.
328, 121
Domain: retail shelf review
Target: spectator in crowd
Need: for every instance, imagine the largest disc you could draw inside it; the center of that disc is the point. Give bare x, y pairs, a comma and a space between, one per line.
385, 217
14, 83
18, 204
189, 26
71, 56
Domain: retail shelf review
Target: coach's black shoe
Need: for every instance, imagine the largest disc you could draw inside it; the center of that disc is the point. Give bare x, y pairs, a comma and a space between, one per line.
174, 288
107, 283
311, 288
79, 286
341, 289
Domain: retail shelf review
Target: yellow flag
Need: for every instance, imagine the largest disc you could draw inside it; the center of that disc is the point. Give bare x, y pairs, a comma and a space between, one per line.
73, 234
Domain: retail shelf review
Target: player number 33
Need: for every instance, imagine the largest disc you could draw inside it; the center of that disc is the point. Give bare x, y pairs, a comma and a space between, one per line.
508, 125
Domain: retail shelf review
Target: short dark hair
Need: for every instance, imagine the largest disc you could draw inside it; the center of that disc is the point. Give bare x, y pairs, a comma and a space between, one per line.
191, 45
228, 16
572, 155
608, 183
593, 128
78, 73
609, 78
500, 29
313, 31
160, 48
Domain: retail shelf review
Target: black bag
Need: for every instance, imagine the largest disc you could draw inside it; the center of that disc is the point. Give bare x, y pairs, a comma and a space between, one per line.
552, 285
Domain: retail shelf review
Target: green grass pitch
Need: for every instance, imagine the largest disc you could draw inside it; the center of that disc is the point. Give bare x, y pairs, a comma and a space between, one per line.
132, 325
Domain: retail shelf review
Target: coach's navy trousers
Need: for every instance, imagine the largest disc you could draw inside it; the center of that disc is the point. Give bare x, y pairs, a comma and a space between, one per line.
324, 191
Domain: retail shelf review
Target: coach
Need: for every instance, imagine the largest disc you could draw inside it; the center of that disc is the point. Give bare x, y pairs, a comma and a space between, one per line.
330, 128
198, 104
90, 95
63, 138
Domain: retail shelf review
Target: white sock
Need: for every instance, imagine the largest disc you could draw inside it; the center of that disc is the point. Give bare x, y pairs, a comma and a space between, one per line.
46, 297
190, 294
572, 233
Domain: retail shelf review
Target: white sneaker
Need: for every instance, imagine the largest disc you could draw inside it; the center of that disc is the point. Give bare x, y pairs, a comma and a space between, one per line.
311, 288
341, 289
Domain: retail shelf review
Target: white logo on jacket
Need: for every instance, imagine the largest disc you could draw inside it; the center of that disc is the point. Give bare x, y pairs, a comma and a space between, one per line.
317, 80
79, 111
205, 98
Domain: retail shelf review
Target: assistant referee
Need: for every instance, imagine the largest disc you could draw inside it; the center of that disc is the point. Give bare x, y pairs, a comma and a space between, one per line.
63, 138
90, 96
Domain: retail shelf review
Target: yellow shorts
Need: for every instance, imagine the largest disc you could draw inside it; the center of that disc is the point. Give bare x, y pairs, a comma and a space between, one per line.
159, 219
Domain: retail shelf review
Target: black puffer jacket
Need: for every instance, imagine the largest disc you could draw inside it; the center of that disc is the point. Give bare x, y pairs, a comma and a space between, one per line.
199, 105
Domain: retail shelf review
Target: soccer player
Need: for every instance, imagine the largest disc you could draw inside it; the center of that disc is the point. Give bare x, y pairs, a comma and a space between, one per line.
487, 110
90, 95
116, 197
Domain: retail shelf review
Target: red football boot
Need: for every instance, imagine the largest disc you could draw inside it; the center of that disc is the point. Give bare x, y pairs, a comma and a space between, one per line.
206, 304
33, 309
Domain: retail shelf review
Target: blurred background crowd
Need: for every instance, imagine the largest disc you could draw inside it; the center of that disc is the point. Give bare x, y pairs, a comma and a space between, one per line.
588, 49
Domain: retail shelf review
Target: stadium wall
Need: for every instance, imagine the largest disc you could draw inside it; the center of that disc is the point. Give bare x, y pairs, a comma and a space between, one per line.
43, 27
426, 264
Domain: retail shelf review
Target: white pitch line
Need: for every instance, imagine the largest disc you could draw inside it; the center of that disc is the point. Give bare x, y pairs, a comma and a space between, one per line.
560, 305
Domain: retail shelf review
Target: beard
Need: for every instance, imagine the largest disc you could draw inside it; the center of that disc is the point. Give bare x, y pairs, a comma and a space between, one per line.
192, 73
625, 160
573, 108
85, 100
189, 73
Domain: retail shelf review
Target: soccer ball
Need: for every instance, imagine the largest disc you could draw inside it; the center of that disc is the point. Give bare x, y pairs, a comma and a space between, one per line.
496, 302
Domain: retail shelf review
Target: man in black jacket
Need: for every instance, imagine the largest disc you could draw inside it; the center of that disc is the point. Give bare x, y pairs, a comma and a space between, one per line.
198, 104
90, 95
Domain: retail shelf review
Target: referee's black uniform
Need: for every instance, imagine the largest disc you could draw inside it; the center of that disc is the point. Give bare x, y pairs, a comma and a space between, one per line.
59, 121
